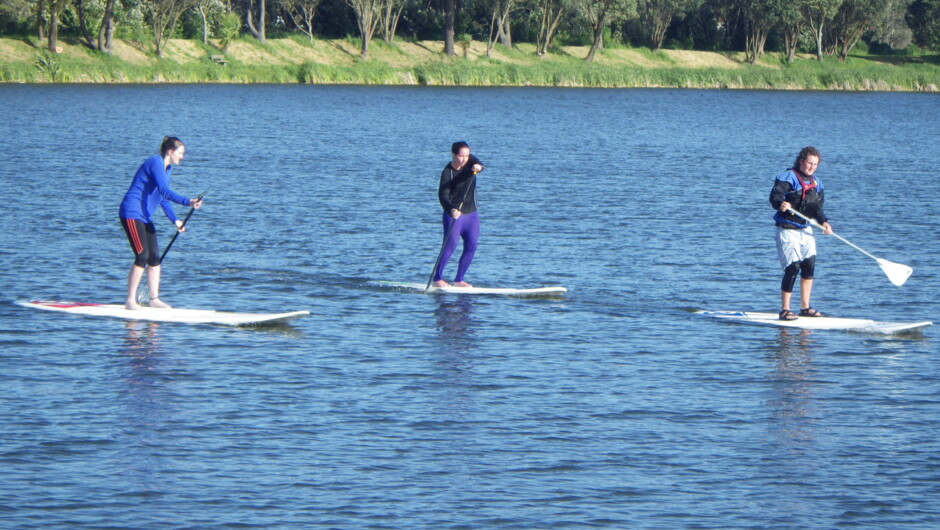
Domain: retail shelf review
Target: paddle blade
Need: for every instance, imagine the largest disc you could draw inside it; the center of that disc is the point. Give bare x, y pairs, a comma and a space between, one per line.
896, 273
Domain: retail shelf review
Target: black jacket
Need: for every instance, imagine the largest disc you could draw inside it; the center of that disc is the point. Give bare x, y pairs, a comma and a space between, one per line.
453, 189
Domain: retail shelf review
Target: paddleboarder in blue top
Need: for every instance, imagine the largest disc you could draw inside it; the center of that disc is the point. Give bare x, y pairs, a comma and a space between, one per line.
798, 189
457, 195
151, 188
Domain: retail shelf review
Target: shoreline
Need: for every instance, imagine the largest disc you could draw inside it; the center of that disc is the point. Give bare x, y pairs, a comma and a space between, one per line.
403, 63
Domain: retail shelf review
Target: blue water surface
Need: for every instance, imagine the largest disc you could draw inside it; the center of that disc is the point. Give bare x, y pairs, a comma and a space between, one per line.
615, 406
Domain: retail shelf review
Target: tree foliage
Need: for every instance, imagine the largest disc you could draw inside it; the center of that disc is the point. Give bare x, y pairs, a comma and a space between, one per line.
823, 27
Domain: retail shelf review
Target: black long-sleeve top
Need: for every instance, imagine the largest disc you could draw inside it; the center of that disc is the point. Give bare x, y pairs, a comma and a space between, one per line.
453, 189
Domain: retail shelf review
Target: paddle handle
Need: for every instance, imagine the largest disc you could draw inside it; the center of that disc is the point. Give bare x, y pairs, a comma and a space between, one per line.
178, 230
447, 235
837, 236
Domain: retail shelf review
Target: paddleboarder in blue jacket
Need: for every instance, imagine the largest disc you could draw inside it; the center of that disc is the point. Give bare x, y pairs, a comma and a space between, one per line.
799, 189
151, 188
457, 195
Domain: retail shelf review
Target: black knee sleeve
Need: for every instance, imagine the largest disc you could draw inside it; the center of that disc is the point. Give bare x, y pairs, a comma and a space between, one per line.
789, 277
807, 267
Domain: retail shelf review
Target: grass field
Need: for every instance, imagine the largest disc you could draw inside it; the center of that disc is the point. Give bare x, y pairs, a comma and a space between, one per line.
297, 60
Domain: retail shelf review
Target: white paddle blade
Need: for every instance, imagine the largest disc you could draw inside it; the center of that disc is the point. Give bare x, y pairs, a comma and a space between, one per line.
896, 273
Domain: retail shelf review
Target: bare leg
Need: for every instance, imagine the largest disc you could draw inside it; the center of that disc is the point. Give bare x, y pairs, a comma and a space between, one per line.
133, 281
806, 290
153, 282
785, 300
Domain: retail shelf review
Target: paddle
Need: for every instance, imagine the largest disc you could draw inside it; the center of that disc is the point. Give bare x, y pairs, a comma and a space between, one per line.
447, 235
896, 272
140, 287
180, 229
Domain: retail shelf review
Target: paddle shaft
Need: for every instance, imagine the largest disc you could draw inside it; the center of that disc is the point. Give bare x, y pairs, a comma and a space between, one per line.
447, 235
178, 230
840, 238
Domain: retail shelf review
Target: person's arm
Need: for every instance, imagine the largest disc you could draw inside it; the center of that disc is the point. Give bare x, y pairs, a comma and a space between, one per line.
475, 164
778, 194
820, 215
443, 189
162, 184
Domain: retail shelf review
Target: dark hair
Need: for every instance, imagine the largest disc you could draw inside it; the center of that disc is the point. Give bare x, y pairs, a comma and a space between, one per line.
805, 152
457, 146
170, 143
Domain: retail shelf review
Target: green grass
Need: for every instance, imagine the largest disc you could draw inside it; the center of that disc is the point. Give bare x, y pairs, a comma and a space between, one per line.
857, 73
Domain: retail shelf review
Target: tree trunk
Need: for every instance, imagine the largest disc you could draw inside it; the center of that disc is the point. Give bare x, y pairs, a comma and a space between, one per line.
205, 24
550, 22
791, 39
257, 32
106, 31
53, 27
40, 20
598, 40
90, 40
505, 32
450, 14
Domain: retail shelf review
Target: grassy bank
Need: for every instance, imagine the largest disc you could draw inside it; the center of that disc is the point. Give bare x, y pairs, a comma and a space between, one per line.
423, 63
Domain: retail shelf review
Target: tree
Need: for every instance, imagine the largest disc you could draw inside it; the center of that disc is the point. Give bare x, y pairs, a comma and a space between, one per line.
368, 15
890, 28
259, 31
301, 13
500, 10
818, 13
791, 26
760, 17
450, 15
852, 20
550, 14
391, 14
657, 15
924, 19
55, 9
164, 14
601, 13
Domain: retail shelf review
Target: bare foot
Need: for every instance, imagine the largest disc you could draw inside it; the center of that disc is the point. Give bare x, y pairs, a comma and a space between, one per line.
462, 284
133, 306
156, 302
440, 283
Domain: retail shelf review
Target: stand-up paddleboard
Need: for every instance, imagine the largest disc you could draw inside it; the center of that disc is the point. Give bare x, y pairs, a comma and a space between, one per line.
420, 287
157, 314
846, 324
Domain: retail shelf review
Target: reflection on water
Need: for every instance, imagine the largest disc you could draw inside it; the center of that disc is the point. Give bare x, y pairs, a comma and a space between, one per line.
792, 387
456, 344
146, 408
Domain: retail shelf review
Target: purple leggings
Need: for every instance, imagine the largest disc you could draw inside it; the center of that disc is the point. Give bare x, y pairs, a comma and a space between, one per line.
466, 227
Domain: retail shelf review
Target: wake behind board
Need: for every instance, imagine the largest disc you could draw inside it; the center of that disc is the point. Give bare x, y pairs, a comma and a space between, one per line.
506, 291
156, 314
860, 325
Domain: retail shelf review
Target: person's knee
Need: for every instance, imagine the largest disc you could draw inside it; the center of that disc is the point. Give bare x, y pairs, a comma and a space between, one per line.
789, 277
807, 268
143, 259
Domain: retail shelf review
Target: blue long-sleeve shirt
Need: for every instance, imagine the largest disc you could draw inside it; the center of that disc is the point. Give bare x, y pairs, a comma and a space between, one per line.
150, 188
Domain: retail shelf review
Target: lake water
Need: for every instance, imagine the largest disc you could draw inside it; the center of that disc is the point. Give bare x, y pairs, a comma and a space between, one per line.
615, 406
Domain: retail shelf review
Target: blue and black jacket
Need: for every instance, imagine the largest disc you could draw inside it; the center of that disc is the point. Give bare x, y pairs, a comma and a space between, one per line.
804, 193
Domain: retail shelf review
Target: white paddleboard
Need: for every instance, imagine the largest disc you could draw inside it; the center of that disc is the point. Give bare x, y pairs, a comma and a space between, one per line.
157, 314
846, 324
420, 287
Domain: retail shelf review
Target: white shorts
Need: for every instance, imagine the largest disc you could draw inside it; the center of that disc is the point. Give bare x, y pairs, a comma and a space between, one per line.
795, 245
